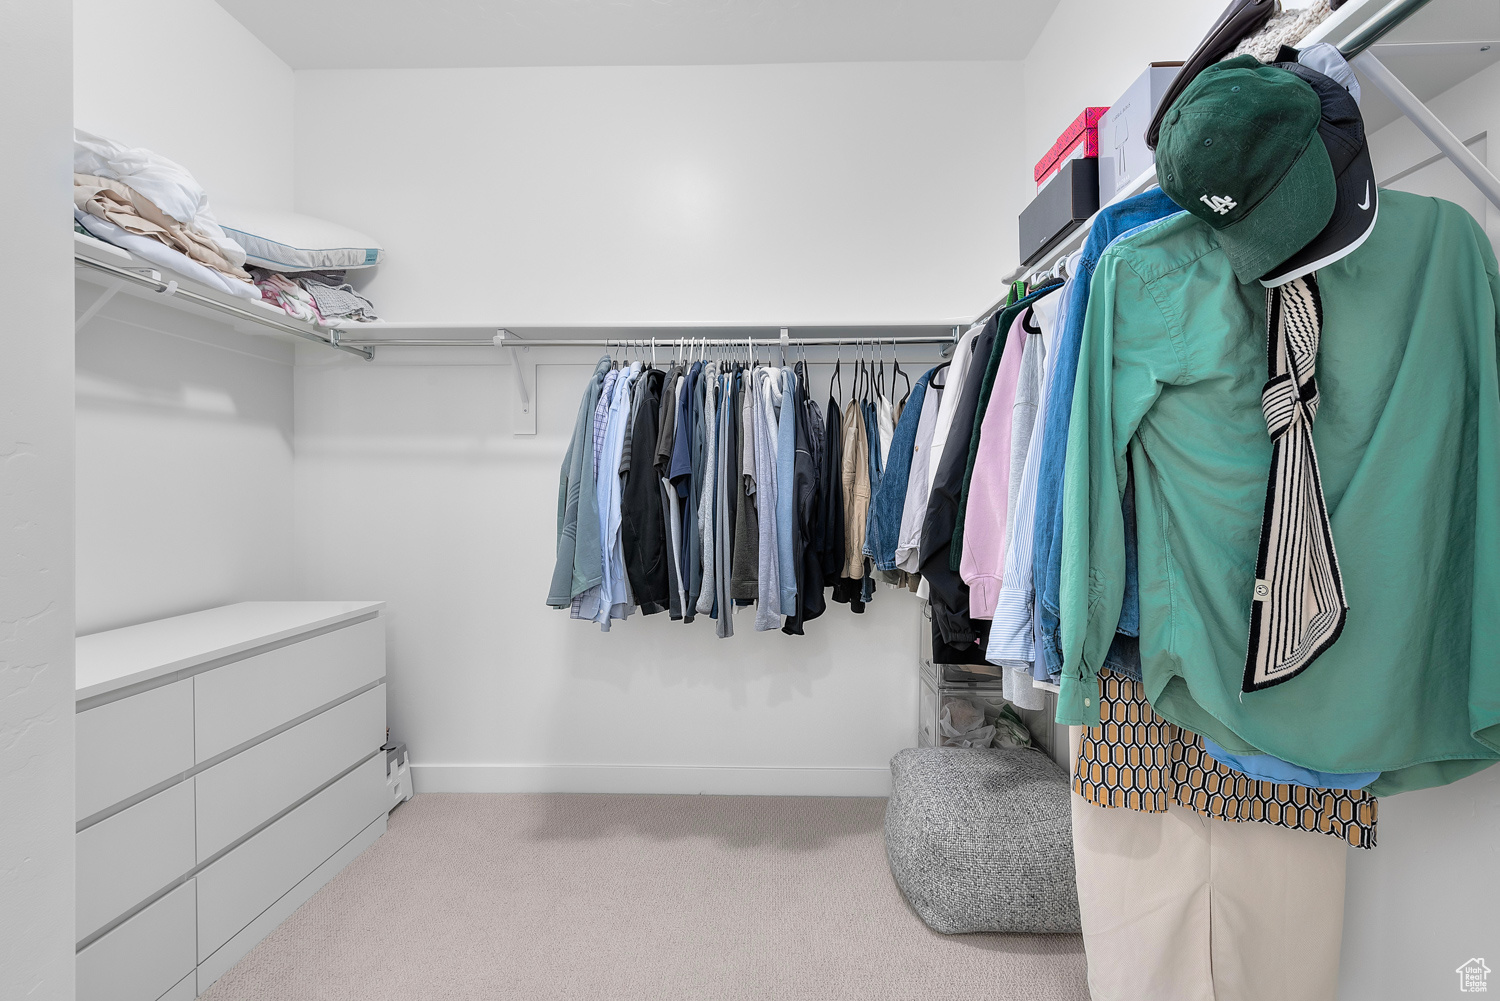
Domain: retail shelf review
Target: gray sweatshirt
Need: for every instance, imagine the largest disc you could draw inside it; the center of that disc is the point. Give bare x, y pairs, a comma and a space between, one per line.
767, 395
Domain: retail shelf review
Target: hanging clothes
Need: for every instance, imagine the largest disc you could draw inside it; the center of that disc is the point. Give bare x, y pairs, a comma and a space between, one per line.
671, 511
855, 477
914, 504
767, 405
708, 478
786, 500
585, 604
611, 599
1012, 640
641, 525
804, 483
726, 476
983, 555
1408, 342
831, 557
1170, 766
1179, 907
890, 497
1112, 222
746, 570
985, 390
947, 593
577, 521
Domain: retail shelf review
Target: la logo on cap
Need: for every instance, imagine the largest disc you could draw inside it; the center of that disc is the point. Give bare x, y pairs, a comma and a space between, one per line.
1219, 203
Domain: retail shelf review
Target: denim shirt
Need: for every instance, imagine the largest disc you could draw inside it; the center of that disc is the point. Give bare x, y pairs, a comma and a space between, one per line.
1113, 221
888, 500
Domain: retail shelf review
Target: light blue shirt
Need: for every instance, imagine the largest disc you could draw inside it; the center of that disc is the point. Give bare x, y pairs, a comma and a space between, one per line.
786, 524
1271, 769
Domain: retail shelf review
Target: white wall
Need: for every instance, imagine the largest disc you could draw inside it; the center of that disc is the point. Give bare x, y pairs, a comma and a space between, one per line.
184, 426
36, 510
411, 488
184, 464
1091, 50
1420, 903
1470, 108
851, 192
186, 80
824, 192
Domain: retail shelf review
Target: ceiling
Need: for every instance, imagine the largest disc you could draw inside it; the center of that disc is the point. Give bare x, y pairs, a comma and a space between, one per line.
385, 34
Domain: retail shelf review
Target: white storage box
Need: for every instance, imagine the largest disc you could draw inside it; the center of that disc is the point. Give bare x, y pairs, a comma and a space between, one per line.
1123, 154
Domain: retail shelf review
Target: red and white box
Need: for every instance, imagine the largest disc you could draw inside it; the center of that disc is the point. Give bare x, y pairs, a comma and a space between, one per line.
1079, 140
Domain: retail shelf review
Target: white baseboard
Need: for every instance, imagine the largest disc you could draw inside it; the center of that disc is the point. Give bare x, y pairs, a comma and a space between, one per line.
713, 780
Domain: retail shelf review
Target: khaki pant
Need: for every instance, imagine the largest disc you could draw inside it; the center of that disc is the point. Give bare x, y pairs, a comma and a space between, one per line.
1181, 907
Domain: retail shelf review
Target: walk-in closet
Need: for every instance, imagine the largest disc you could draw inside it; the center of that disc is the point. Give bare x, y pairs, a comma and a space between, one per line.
672, 499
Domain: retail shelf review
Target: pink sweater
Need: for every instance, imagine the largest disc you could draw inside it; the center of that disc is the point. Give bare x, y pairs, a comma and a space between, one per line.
982, 565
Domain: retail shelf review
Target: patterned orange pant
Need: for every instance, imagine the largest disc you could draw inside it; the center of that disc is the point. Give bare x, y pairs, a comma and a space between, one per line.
1138, 761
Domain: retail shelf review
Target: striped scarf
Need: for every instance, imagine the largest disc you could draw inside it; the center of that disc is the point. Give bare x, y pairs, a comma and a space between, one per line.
1299, 606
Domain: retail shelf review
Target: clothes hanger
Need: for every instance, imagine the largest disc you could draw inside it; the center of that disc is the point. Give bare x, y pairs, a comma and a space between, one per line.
837, 377
896, 369
869, 384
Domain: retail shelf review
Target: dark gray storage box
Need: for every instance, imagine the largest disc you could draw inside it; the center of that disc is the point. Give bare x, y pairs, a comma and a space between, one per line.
1067, 200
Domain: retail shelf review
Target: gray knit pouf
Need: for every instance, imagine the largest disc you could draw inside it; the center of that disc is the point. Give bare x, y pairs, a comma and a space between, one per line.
981, 840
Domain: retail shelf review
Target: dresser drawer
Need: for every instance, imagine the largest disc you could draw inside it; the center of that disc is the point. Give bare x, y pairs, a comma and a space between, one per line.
146, 956
130, 745
242, 884
126, 858
243, 700
250, 788
186, 989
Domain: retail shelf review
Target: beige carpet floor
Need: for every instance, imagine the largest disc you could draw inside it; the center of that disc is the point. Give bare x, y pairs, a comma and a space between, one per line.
635, 897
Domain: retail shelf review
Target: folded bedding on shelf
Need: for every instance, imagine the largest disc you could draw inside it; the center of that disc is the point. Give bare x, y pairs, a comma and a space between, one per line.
164, 256
133, 212
335, 300
294, 244
280, 290
167, 185
152, 207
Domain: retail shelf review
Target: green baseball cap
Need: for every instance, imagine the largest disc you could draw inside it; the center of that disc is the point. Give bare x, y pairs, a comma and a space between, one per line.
1240, 150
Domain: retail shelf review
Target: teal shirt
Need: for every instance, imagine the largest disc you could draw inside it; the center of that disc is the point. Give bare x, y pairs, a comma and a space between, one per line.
1407, 437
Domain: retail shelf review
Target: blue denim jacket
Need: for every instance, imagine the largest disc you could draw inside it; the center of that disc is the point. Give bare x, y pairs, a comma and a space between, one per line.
1113, 221
887, 501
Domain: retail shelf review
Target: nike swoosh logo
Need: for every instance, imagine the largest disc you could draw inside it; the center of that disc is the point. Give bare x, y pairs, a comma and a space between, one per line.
1365, 205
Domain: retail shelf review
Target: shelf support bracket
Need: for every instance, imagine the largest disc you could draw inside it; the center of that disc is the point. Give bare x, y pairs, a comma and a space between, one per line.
523, 413
1429, 124
98, 304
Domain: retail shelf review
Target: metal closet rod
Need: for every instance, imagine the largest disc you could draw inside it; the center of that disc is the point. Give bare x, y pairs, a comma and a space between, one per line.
172, 289
648, 342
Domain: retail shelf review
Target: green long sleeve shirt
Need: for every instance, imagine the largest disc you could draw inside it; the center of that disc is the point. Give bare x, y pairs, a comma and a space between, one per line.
1408, 444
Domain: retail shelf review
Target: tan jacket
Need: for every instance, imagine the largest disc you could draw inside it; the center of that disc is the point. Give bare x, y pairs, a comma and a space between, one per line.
856, 477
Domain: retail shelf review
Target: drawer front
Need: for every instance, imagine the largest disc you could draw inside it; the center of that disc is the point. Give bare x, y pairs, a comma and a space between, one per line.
130, 745
126, 858
242, 884
186, 989
243, 700
250, 788
146, 956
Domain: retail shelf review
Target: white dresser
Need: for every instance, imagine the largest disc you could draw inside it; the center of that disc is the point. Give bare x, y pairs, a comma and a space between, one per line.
229, 765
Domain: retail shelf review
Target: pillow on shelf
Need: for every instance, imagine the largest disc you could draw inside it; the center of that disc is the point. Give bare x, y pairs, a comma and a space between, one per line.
287, 241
